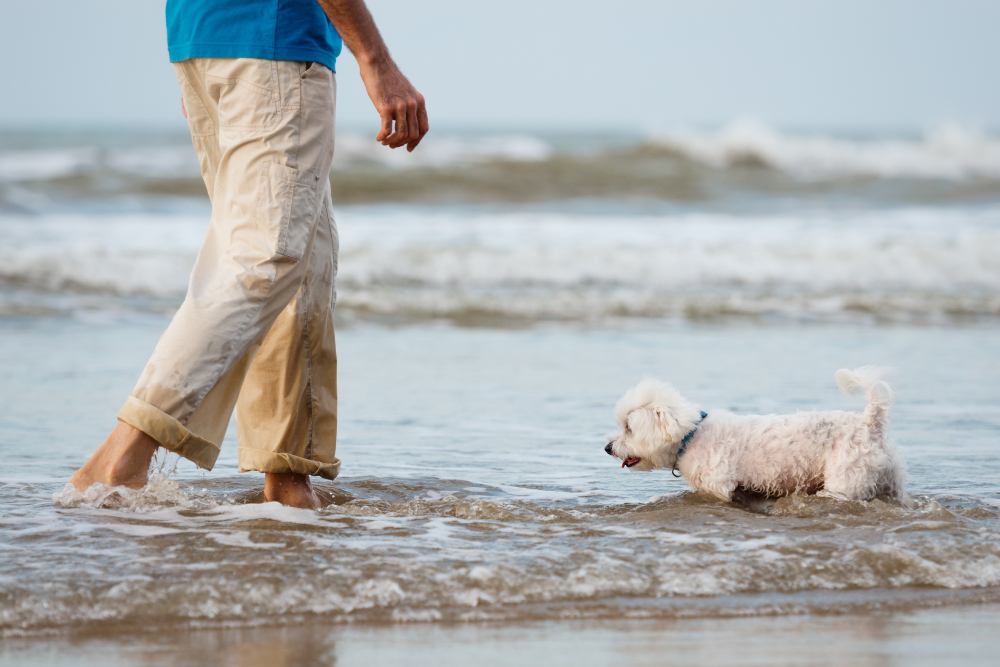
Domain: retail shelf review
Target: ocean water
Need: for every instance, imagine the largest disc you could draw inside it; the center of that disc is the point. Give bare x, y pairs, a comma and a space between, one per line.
496, 297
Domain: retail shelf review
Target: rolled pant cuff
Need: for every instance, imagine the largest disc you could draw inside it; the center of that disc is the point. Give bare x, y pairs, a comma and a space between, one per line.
264, 461
169, 432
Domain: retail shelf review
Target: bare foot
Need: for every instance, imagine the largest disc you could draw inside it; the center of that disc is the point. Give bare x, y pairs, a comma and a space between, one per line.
292, 489
123, 460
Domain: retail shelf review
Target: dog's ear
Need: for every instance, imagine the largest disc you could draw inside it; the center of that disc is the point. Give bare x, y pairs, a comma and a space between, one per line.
655, 426
670, 428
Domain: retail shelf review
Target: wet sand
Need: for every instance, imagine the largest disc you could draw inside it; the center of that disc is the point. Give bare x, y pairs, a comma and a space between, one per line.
952, 636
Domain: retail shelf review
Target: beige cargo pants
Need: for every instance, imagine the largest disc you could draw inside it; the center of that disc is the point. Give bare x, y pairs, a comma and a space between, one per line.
255, 331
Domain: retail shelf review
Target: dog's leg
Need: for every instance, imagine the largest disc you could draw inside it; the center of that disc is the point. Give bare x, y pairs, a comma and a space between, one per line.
720, 486
856, 468
752, 500
893, 481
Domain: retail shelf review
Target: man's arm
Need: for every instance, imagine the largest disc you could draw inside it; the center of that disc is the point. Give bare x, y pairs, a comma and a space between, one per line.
393, 95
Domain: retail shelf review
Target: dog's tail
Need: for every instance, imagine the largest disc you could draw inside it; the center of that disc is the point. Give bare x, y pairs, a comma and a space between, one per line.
869, 381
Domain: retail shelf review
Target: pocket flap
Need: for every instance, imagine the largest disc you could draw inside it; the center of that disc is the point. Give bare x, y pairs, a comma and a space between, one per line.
286, 208
296, 176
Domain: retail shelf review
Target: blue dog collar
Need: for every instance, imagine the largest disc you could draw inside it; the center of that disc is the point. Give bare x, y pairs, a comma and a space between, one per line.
684, 443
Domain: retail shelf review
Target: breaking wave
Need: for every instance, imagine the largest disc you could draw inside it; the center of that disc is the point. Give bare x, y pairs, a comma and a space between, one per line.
902, 264
948, 152
947, 163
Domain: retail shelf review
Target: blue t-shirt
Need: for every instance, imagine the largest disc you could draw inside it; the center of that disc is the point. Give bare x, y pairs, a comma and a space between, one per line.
266, 29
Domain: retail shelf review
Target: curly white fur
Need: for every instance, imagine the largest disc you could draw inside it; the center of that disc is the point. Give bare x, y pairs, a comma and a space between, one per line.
845, 454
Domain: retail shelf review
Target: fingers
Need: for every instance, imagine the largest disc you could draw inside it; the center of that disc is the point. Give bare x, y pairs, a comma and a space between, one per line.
388, 135
386, 126
183, 108
399, 137
411, 124
409, 114
423, 126
403, 125
413, 128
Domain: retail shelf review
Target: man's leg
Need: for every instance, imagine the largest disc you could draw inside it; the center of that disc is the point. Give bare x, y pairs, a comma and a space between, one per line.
286, 416
124, 457
266, 193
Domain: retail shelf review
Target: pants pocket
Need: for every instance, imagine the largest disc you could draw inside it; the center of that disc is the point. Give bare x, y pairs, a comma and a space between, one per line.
199, 119
246, 91
287, 208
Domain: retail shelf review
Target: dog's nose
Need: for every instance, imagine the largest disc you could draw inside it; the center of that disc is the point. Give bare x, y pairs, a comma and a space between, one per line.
608, 448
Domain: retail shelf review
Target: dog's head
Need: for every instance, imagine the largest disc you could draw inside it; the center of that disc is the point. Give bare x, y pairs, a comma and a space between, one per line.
653, 418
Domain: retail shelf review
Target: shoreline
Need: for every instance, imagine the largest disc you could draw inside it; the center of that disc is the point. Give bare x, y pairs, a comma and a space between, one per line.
926, 636
820, 603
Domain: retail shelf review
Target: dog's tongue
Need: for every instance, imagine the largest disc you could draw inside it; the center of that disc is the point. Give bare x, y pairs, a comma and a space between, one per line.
630, 461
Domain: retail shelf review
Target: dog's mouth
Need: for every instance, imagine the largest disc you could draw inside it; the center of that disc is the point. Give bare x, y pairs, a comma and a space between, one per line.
630, 461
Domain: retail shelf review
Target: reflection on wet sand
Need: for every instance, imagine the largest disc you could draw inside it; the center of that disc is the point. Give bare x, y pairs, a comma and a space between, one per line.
957, 635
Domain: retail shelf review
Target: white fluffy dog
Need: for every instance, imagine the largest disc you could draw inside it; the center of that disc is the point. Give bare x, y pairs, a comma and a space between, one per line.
843, 454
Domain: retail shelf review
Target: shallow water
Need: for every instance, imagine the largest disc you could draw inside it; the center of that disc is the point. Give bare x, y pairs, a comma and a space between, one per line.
488, 322
475, 486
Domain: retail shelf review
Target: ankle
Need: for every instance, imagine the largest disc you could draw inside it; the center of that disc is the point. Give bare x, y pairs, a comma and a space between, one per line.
125, 456
278, 483
289, 488
127, 471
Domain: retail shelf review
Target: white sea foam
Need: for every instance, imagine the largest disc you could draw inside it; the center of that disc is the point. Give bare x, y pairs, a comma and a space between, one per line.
28, 165
141, 530
124, 255
901, 262
947, 152
241, 539
155, 161
145, 161
378, 525
448, 583
161, 492
917, 249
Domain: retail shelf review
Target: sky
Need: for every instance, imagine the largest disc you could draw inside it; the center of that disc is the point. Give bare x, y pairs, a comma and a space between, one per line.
635, 65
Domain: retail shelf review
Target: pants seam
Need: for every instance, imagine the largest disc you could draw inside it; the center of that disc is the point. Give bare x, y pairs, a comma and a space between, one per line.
308, 369
298, 112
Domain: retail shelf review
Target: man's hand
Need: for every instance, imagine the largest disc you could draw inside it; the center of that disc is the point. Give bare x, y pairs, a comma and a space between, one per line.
394, 97
397, 100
